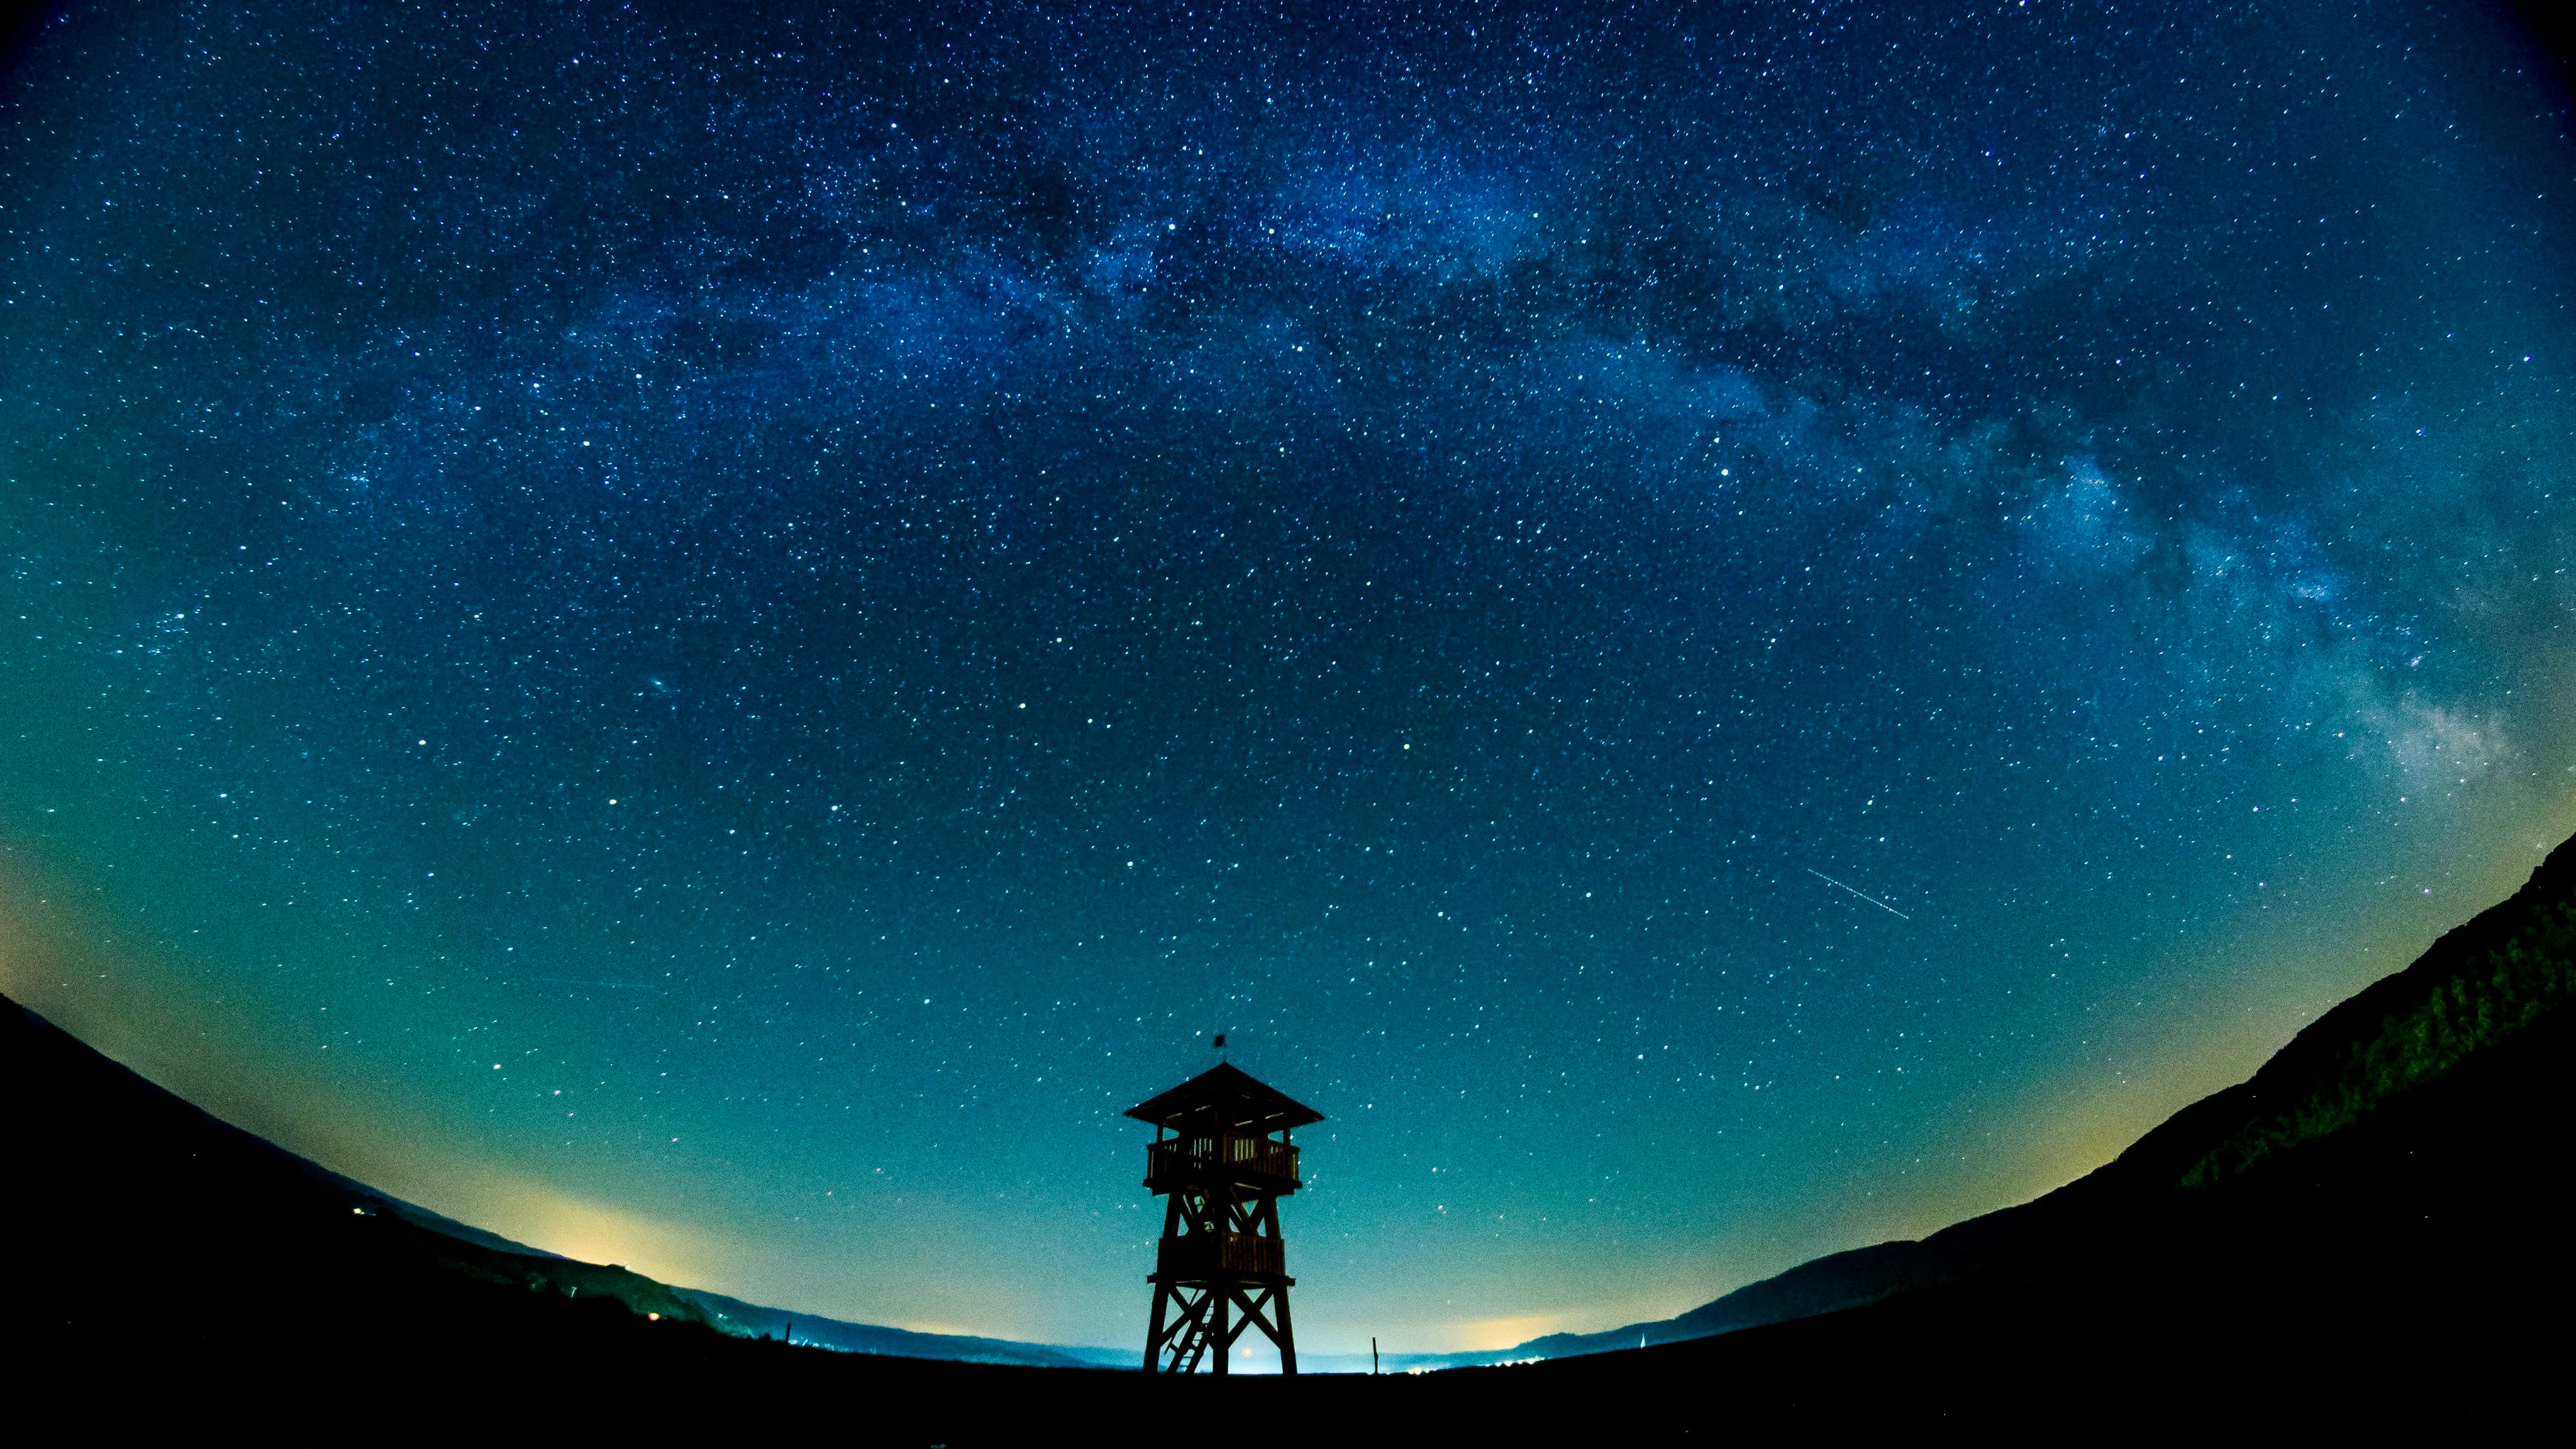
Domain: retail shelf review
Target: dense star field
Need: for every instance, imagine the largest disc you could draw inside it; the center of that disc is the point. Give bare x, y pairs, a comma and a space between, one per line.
1723, 633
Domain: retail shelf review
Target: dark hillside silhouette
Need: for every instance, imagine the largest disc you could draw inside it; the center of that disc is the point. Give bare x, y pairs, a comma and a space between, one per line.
2478, 989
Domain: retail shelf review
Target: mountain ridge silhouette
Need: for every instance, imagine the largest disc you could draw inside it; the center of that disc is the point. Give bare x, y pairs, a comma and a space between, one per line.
2476, 985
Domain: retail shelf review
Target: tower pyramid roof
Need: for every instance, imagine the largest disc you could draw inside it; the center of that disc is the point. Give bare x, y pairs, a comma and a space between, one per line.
1233, 1096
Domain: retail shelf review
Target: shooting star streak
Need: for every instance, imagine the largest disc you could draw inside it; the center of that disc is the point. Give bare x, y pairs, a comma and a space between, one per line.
1864, 895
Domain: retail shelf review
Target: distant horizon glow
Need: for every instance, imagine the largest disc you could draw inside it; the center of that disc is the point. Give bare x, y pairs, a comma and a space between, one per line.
706, 642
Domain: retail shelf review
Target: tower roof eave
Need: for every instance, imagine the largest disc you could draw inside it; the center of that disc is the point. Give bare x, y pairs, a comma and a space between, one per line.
1228, 1092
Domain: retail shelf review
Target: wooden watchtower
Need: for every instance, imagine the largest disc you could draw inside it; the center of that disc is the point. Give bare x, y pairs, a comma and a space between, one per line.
1219, 1268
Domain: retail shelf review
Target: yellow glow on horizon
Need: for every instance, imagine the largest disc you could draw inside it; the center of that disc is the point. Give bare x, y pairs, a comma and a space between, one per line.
959, 1330
544, 1216
1484, 1335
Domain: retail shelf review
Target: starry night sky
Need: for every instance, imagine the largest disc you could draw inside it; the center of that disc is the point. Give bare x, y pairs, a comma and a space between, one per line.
1723, 632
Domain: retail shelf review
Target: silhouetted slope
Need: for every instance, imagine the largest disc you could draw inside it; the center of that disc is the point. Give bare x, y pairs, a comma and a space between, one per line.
2478, 986
136, 1197
2482, 985
1840, 1280
751, 1320
121, 1195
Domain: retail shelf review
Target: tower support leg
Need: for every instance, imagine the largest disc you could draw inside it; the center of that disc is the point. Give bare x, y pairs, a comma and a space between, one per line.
1154, 1328
1287, 1334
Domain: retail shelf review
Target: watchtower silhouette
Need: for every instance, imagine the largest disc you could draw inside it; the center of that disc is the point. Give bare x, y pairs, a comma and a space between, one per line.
1220, 1254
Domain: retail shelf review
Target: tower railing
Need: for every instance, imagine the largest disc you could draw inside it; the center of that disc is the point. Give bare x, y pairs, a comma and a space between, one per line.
1195, 1155
1195, 1254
